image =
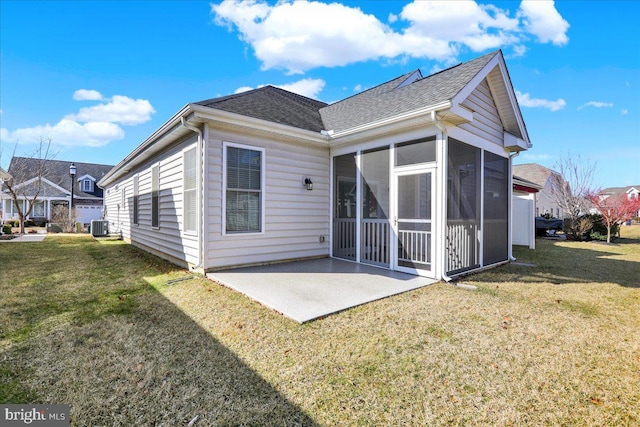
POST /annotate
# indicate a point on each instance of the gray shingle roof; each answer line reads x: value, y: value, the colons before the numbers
x: 386, y: 100
x: 619, y: 190
x: 272, y: 104
x: 57, y: 171
x: 533, y: 172
x: 391, y: 98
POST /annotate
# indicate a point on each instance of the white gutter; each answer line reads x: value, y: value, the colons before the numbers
x: 511, y: 157
x: 443, y: 176
x: 391, y: 120
x: 226, y: 117
x: 200, y: 169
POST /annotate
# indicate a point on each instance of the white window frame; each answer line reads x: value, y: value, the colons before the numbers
x: 263, y: 189
x: 193, y: 190
x: 135, y: 215
x: 155, y: 188
x: 84, y: 187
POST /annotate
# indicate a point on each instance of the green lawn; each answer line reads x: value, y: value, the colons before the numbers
x: 102, y: 327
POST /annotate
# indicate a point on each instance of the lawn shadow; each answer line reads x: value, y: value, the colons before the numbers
x: 582, y: 262
x: 146, y: 364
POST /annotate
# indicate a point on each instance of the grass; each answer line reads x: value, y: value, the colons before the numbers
x: 553, y: 345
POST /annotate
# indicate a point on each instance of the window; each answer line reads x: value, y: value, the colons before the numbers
x: 87, y: 185
x: 244, y: 194
x: 190, y: 194
x: 38, y: 209
x: 136, y: 197
x: 155, y: 196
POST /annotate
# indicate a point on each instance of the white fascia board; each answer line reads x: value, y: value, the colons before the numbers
x: 462, y: 112
x: 211, y: 114
x: 421, y: 112
x: 134, y: 157
x: 45, y: 180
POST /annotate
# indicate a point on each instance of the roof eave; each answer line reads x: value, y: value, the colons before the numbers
x: 136, y: 156
x: 234, y: 119
x: 346, y: 135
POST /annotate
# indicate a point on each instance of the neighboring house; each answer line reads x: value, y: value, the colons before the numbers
x: 631, y: 191
x: 524, y: 212
x: 547, y: 180
x: 4, y: 176
x: 411, y: 175
x: 55, y: 189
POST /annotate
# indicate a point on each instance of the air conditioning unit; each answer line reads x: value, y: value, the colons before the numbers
x: 99, y: 228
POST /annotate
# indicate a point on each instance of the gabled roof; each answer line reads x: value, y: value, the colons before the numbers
x: 55, y: 171
x: 272, y: 104
x: 620, y: 190
x: 395, y: 97
x: 534, y: 172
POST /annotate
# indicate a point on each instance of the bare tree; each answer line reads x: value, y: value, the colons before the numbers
x: 571, y: 186
x: 27, y: 184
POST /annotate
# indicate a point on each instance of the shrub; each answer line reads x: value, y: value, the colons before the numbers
x: 598, y: 230
x: 6, y: 229
x: 29, y: 223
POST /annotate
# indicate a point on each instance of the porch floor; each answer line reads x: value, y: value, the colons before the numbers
x: 306, y: 290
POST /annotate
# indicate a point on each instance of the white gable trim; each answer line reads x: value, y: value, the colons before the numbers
x: 496, y: 61
x: 45, y: 180
x: 86, y: 176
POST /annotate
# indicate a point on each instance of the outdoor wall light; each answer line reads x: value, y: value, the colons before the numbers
x: 308, y: 184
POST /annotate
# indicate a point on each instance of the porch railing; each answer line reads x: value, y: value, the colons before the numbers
x: 414, y: 247
x: 461, y: 245
x: 375, y: 241
x: 344, y: 238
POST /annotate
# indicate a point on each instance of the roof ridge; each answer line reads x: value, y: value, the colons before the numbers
x: 406, y: 75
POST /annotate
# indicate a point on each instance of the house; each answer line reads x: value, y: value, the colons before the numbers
x: 631, y: 191
x: 547, y: 180
x: 524, y: 212
x: 4, y: 176
x: 412, y: 175
x: 55, y: 189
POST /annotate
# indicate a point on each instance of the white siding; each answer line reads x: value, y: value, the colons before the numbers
x: 486, y: 120
x: 295, y: 218
x: 169, y: 240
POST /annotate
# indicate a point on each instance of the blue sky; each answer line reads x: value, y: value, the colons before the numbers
x: 99, y: 77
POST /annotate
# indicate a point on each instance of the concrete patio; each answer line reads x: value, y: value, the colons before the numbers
x: 306, y: 290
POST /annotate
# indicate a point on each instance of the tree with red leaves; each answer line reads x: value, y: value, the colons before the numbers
x: 614, y: 209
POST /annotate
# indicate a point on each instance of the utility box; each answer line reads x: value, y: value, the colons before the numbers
x: 99, y: 228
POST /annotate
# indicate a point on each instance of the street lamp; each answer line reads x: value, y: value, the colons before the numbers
x: 72, y: 174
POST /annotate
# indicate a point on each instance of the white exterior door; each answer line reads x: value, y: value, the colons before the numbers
x: 414, y: 222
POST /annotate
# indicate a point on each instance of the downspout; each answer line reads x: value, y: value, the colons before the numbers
x: 443, y: 211
x: 199, y: 143
x: 511, y: 157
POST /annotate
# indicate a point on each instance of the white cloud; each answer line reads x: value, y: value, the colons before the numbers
x: 310, y: 88
x: 87, y: 95
x: 119, y: 109
x: 525, y: 100
x: 596, y: 104
x: 542, y: 19
x: 68, y: 132
x: 93, y: 126
x: 357, y: 88
x: 301, y: 35
x: 624, y: 111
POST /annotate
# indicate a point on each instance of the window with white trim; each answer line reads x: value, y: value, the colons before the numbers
x: 155, y: 196
x: 190, y: 195
x: 136, y: 198
x: 244, y: 193
x: 87, y: 185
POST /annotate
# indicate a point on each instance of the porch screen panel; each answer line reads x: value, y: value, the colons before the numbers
x: 463, y: 207
x: 496, y: 209
x: 413, y: 152
x: 375, y: 229
x: 344, y: 216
